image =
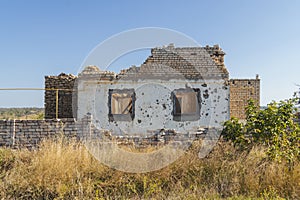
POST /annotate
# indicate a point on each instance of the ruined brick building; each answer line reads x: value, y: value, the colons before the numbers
x: 162, y: 62
x: 181, y: 89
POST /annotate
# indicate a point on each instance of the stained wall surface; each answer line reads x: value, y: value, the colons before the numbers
x: 154, y: 105
x: 165, y: 71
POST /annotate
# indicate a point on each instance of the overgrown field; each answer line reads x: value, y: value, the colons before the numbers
x: 65, y: 170
x: 255, y: 159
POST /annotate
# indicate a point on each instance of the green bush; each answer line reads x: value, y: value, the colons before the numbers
x: 274, y: 127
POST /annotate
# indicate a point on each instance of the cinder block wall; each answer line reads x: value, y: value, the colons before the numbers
x: 65, y: 83
x: 241, y: 90
x: 29, y: 133
x: 6, y: 132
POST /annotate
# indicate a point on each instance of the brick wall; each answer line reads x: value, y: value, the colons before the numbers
x: 241, y: 90
x: 29, y: 133
x: 191, y: 62
x: 65, y: 84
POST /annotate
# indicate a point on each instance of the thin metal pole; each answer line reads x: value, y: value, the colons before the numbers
x: 56, y: 109
x: 14, y: 133
x: 36, y: 89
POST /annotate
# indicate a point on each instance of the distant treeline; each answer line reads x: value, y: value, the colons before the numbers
x: 22, y: 113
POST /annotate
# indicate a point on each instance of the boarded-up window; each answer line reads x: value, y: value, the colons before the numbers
x: 186, y: 104
x: 121, y: 103
x: 121, y: 106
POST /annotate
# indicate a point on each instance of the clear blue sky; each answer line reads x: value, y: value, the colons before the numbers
x: 39, y: 38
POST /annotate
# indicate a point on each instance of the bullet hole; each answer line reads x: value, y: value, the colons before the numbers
x: 142, y: 93
x: 204, y: 85
x: 186, y: 86
x: 139, y: 121
x: 206, y: 114
x: 147, y: 115
x: 150, y: 124
x: 205, y: 94
x: 164, y: 106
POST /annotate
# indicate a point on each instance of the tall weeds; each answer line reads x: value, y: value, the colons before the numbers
x: 64, y: 169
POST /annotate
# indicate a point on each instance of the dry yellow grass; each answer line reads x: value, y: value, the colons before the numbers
x: 64, y: 169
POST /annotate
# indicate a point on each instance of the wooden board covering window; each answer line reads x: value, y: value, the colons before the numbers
x: 185, y: 102
x: 121, y: 103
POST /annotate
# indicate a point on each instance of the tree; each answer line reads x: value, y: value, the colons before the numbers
x: 274, y: 127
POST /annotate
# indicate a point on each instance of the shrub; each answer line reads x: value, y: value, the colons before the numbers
x: 273, y: 127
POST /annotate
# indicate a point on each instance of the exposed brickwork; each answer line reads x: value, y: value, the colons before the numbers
x: 165, y: 63
x: 180, y: 63
x: 216, y: 53
x: 6, y: 132
x: 241, y: 90
x: 65, y: 83
x: 29, y: 133
x: 191, y: 62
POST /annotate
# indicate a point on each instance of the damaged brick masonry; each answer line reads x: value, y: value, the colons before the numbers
x: 241, y: 90
x: 176, y: 88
